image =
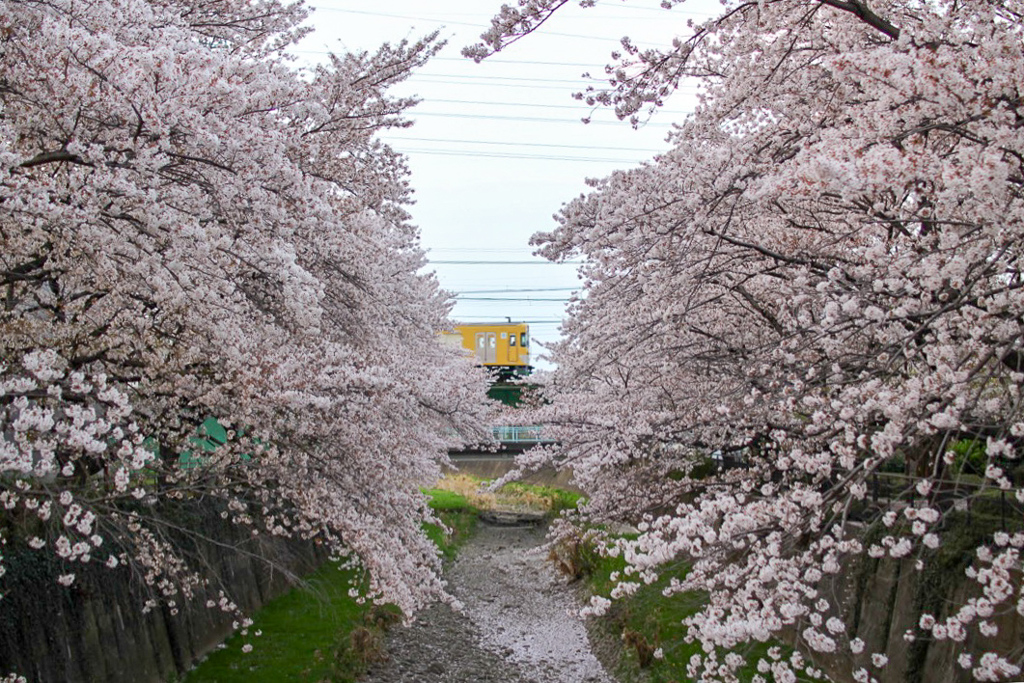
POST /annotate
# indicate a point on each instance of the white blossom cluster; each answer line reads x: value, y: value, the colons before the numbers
x: 190, y: 227
x: 819, y: 282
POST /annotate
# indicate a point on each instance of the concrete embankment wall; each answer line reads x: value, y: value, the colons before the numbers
x: 95, y: 630
x: 883, y: 599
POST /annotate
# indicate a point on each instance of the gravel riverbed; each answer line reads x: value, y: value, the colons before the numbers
x: 518, y: 625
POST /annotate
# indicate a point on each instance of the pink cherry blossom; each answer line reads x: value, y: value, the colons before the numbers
x: 192, y: 227
x: 819, y: 282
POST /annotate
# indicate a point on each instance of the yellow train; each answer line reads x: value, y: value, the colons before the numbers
x: 503, y: 347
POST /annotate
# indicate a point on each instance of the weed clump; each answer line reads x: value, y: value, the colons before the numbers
x: 643, y: 648
x: 576, y: 556
x: 356, y: 650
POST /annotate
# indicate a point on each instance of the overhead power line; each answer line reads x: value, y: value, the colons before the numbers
x: 513, y: 299
x: 531, y: 86
x: 446, y: 22
x: 576, y: 107
x: 575, y: 81
x: 511, y: 155
x: 449, y: 22
x: 497, y: 117
x: 504, y: 263
x: 516, y: 62
x: 488, y: 318
x: 490, y: 81
x: 425, y: 75
x: 458, y: 150
x: 590, y: 14
x: 519, y: 291
x: 476, y: 250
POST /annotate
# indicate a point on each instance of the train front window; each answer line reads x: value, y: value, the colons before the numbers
x: 523, y: 339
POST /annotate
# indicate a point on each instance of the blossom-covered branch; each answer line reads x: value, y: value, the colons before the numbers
x: 191, y: 228
x: 818, y: 285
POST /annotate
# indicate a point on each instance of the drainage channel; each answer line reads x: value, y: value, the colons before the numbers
x: 519, y: 622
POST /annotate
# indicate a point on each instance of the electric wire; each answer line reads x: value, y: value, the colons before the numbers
x: 504, y: 250
x: 527, y: 79
x: 478, y: 296
x: 510, y: 299
x: 579, y: 107
x: 531, y: 86
x: 531, y: 119
x: 501, y: 263
x: 447, y: 22
x: 423, y: 75
x: 528, y: 144
x: 534, y: 157
x: 576, y: 107
x: 604, y: 17
x: 474, y: 25
x: 519, y: 291
x: 478, y: 318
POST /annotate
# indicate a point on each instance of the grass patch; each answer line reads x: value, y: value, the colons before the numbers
x: 647, y: 621
x: 445, y: 500
x: 552, y: 499
x: 472, y: 492
x: 456, y: 512
x: 318, y: 632
x: 306, y: 636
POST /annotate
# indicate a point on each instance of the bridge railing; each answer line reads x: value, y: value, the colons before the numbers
x: 519, y: 434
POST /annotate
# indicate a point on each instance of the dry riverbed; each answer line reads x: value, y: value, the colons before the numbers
x: 518, y: 625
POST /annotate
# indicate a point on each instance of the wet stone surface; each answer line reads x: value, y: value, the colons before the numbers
x: 518, y: 625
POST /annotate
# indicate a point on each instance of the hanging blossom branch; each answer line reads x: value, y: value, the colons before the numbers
x: 818, y: 284
x: 193, y: 233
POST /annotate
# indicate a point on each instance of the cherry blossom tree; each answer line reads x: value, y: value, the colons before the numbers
x: 194, y: 227
x: 820, y: 280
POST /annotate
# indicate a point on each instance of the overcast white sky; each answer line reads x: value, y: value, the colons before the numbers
x: 498, y: 147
